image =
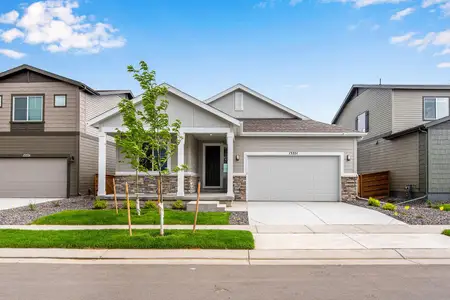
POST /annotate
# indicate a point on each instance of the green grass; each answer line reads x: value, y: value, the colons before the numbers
x: 438, y: 206
x: 120, y: 239
x: 446, y: 232
x: 149, y: 217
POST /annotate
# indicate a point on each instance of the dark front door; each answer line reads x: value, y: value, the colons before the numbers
x: 212, y: 166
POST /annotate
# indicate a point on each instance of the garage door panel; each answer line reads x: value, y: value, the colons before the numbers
x: 293, y: 178
x: 33, y: 177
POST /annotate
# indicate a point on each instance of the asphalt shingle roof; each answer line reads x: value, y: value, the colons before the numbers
x: 291, y: 125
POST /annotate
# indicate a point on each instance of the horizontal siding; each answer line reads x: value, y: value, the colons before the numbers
x: 408, y: 107
x: 423, y: 162
x: 67, y: 145
x: 92, y: 106
x: 254, y: 108
x: 89, y: 162
x: 189, y: 114
x: 439, y: 157
x: 56, y: 119
x: 287, y: 144
x: 378, y: 103
x: 399, y: 156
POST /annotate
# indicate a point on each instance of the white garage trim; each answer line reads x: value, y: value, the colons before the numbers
x: 296, y: 153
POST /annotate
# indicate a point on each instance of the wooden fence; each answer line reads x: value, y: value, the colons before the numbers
x: 109, y: 184
x: 373, y: 184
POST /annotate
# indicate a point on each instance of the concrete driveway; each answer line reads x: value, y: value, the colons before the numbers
x: 8, y: 203
x: 314, y: 213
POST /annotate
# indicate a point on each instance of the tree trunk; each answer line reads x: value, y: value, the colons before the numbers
x: 138, y: 207
x: 161, y: 205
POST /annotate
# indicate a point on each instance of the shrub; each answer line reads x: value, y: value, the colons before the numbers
x: 132, y: 204
x: 152, y: 205
x: 389, y: 206
x: 100, y: 204
x: 373, y: 202
x: 57, y: 203
x: 32, y: 206
x: 179, y: 204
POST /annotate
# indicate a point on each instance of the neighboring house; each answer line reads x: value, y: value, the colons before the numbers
x: 46, y: 148
x: 408, y: 134
x: 244, y: 146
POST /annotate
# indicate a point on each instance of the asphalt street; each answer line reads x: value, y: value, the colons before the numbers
x: 111, y: 282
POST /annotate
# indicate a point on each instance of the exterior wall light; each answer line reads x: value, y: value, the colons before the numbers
x: 349, y: 158
x: 238, y: 157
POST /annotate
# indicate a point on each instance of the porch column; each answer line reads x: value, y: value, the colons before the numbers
x: 101, y: 163
x: 230, y: 160
x: 180, y: 191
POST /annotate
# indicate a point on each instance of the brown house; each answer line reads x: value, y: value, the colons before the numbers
x: 46, y: 147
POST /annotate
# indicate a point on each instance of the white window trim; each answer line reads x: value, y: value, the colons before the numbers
x: 28, y: 103
x: 435, y: 106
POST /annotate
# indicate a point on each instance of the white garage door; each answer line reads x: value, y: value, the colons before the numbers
x: 33, y: 177
x: 293, y: 178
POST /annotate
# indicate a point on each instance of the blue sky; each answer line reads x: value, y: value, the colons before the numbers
x: 303, y: 54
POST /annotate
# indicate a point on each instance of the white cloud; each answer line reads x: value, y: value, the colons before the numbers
x: 402, y: 38
x: 9, y: 18
x: 12, y: 53
x: 11, y: 35
x: 444, y: 65
x: 363, y: 3
x: 403, y: 13
x: 443, y: 52
x: 446, y: 9
x: 442, y: 38
x: 261, y: 4
x: 421, y: 44
x: 294, y: 2
x: 53, y: 24
x: 428, y: 3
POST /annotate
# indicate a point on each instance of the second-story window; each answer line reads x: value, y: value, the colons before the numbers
x: 60, y: 100
x: 28, y: 108
x: 435, y: 108
x: 362, y: 122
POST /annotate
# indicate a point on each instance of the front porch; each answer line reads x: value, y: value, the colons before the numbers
x: 206, y: 152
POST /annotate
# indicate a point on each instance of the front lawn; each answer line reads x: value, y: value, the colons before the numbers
x: 148, y: 217
x: 120, y: 239
x: 446, y: 232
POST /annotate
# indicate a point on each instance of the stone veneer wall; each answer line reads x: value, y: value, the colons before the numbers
x: 190, y: 184
x: 349, y: 188
x: 240, y: 187
x: 147, y: 184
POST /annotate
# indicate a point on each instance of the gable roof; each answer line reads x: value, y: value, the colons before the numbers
x: 292, y: 125
x: 129, y: 93
x: 353, y: 88
x: 257, y: 95
x: 114, y: 111
x: 48, y: 74
x: 417, y: 128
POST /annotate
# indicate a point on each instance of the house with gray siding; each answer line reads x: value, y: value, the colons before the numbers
x: 408, y: 131
x: 241, y: 145
x: 46, y: 147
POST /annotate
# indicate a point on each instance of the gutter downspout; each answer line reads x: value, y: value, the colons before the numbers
x: 426, y: 160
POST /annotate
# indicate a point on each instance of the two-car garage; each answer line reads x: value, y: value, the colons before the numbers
x: 293, y: 177
x: 33, y: 177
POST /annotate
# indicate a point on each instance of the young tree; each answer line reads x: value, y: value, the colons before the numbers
x: 150, y: 138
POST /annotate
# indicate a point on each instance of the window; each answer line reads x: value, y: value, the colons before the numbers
x: 148, y: 163
x: 435, y: 108
x: 28, y: 108
x: 362, y: 122
x: 60, y: 101
x: 238, y: 101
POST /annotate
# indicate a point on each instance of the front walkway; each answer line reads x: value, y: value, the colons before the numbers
x: 8, y: 203
x: 314, y: 213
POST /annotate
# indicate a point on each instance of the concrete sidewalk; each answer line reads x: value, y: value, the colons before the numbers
x: 228, y: 257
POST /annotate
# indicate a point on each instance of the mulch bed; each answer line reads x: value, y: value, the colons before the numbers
x: 418, y: 214
x: 24, y: 215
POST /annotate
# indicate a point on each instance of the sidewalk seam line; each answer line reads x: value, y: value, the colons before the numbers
x: 311, y: 212
x: 355, y: 240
